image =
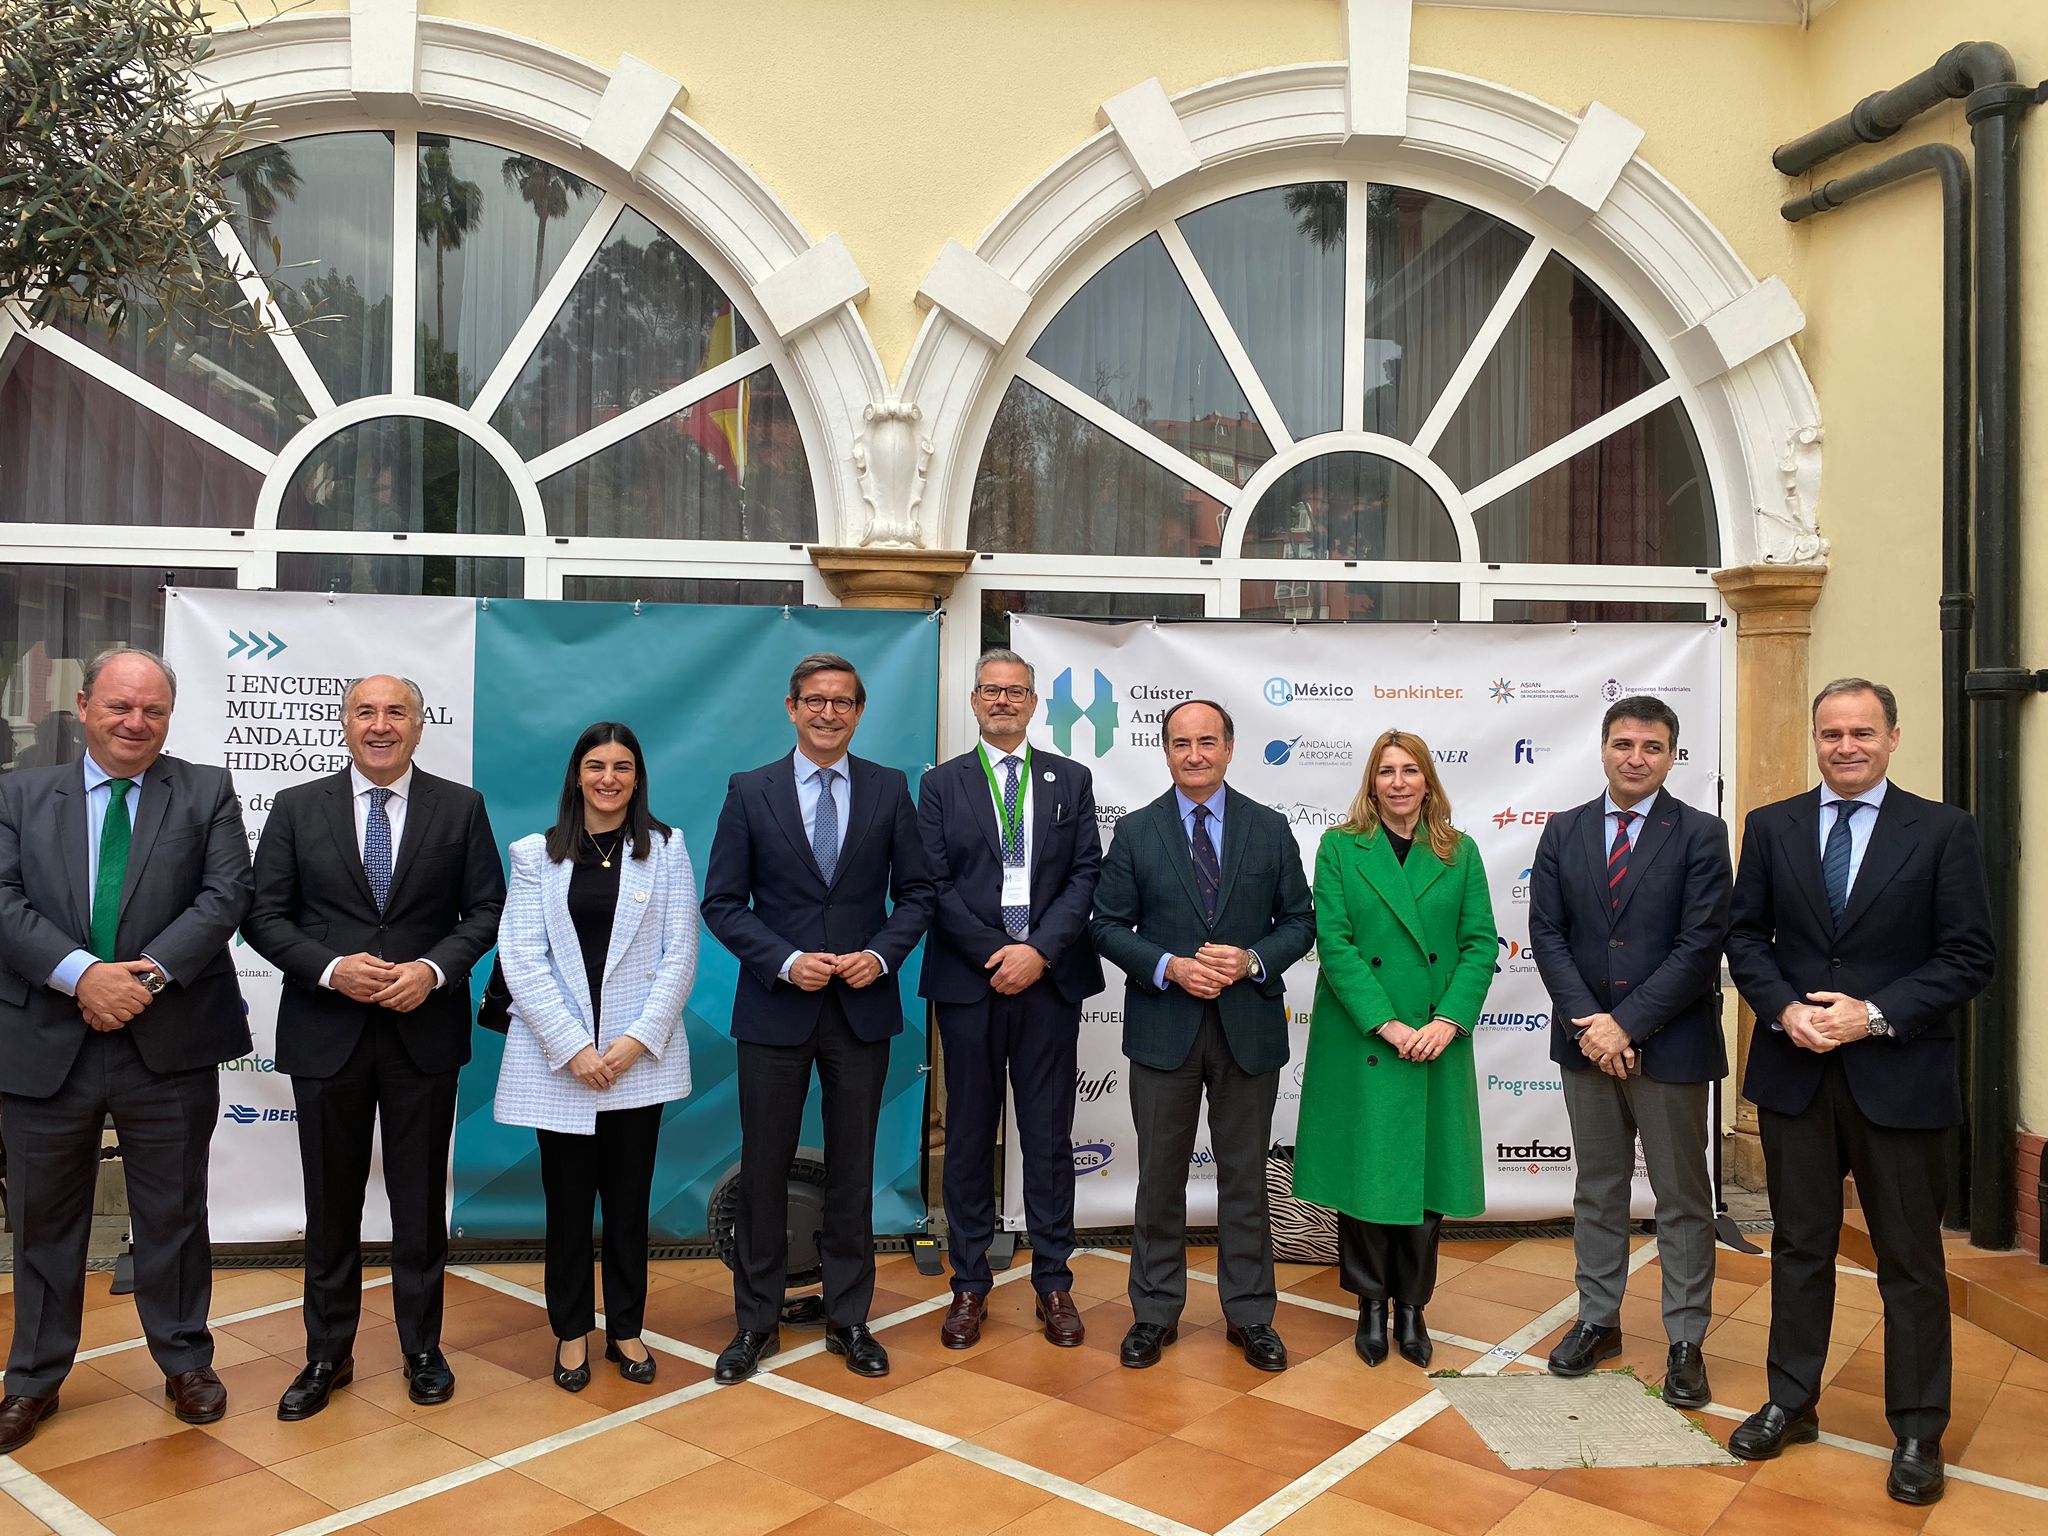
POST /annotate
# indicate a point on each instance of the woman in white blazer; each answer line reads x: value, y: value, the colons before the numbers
x: 599, y: 945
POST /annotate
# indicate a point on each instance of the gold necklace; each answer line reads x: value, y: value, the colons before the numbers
x: 604, y: 859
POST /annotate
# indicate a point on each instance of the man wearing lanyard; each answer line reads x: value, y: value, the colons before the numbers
x: 1010, y: 839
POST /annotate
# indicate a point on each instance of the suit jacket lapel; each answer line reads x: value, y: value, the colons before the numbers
x: 1166, y: 823
x: 422, y: 804
x: 1386, y: 874
x: 1593, y: 842
x: 562, y: 940
x: 1890, y: 841
x: 1804, y: 855
x: 863, y: 794
x: 636, y: 885
x: 1237, y: 831
x: 72, y: 851
x: 341, y: 822
x: 1658, y: 821
x: 981, y: 806
x: 159, y: 783
x: 1047, y: 795
x: 789, y: 813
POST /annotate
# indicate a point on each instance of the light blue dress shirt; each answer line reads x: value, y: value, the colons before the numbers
x: 1187, y: 826
x: 810, y: 783
x: 1861, y: 823
x: 97, y: 798
x: 1609, y: 810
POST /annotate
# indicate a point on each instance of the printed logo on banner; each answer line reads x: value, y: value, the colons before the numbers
x: 1092, y: 1090
x: 1515, y: 1023
x: 1203, y: 1164
x: 1510, y: 817
x: 1062, y: 713
x: 1614, y: 689
x: 1093, y: 1157
x: 1504, y: 690
x: 1528, y: 750
x: 1307, y: 749
x: 249, y: 1064
x: 248, y: 1114
x: 1451, y: 756
x: 1281, y: 691
x: 1300, y: 813
x: 1515, y: 1087
x: 1518, y: 893
x: 1515, y: 957
x: 252, y: 646
x: 1501, y: 691
x: 1535, y: 1156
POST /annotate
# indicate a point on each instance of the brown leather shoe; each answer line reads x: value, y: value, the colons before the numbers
x: 197, y: 1397
x: 19, y: 1417
x: 962, y: 1327
x: 1062, y: 1319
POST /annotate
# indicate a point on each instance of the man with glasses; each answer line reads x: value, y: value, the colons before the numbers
x: 817, y: 885
x: 1009, y: 834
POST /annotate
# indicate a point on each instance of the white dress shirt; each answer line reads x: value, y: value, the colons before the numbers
x: 1861, y: 824
x: 998, y: 759
x: 394, y: 812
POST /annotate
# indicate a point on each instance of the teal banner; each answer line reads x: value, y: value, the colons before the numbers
x: 703, y: 688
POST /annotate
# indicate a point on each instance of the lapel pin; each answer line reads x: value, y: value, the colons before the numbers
x: 1048, y: 776
x: 639, y: 895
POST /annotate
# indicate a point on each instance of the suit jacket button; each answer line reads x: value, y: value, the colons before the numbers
x: 1614, y: 943
x: 1375, y: 959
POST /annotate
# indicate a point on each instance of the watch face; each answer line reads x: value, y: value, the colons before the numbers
x: 154, y: 981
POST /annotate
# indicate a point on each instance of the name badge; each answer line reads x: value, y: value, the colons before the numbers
x: 1016, y: 887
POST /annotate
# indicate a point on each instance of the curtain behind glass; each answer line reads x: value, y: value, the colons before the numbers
x: 1350, y: 506
x: 399, y: 474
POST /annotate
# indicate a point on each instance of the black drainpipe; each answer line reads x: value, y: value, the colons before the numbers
x: 1983, y: 73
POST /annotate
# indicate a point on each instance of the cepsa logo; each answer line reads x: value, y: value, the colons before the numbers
x: 1093, y: 1157
x: 1511, y: 817
x: 1532, y: 1156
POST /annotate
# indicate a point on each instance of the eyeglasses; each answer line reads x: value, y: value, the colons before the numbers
x: 1016, y: 693
x: 819, y: 703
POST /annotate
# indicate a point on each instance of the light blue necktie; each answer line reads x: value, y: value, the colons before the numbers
x: 825, y: 826
x: 377, y: 847
x: 1834, y: 859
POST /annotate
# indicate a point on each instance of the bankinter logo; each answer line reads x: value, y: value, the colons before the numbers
x: 1061, y: 713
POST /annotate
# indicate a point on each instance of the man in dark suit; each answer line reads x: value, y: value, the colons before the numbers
x: 817, y: 885
x: 1861, y: 925
x: 377, y: 890
x: 122, y: 879
x: 1628, y: 910
x: 1204, y: 921
x: 1010, y: 839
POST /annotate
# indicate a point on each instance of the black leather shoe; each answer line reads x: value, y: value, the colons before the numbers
x: 1412, y: 1335
x: 571, y: 1378
x: 1916, y: 1476
x: 428, y: 1377
x: 864, y: 1353
x: 1584, y: 1346
x: 743, y: 1356
x: 310, y: 1389
x: 639, y: 1372
x: 1261, y: 1345
x: 1685, y: 1378
x: 1371, y: 1342
x: 19, y: 1417
x: 1765, y: 1433
x: 1142, y: 1344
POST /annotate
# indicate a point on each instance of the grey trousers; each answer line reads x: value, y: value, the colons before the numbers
x: 1607, y: 1115
x: 1164, y: 1106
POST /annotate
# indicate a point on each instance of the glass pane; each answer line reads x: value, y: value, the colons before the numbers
x: 53, y: 620
x: 493, y: 227
x: 683, y: 589
x: 731, y: 466
x: 1522, y: 610
x: 643, y: 318
x: 1051, y: 482
x: 326, y: 202
x: 73, y: 450
x: 1637, y: 497
x: 998, y: 605
x: 401, y: 575
x: 1565, y: 358
x: 399, y: 474
x: 1350, y: 506
x: 1352, y: 601
x: 1133, y: 339
x: 1276, y: 261
x: 1434, y: 269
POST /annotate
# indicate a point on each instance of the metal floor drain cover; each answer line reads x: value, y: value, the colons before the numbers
x: 1609, y: 1419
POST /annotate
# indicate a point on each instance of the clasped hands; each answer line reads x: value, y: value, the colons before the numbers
x: 813, y: 969
x: 601, y: 1071
x: 109, y: 995
x: 1209, y: 969
x: 400, y: 985
x: 1016, y: 967
x: 1606, y: 1044
x: 1825, y: 1020
x: 1424, y: 1044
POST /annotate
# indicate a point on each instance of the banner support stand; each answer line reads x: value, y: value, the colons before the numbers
x: 1726, y: 1232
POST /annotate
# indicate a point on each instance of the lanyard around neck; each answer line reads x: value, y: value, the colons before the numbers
x: 1010, y: 828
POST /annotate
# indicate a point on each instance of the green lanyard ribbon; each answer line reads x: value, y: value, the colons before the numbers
x: 1010, y: 830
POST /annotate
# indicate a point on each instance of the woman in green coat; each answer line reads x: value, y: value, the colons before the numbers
x: 1389, y: 1130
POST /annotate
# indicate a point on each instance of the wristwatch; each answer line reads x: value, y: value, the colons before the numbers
x: 153, y: 982
x: 1880, y: 1026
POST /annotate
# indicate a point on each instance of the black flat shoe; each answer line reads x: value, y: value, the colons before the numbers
x: 864, y: 1353
x: 639, y: 1372
x: 1143, y: 1343
x: 743, y: 1356
x: 1916, y: 1476
x: 1584, y: 1346
x: 1371, y: 1341
x: 1766, y: 1433
x: 1685, y: 1378
x: 309, y: 1390
x: 1261, y: 1345
x: 428, y: 1379
x: 571, y: 1378
x: 1412, y: 1335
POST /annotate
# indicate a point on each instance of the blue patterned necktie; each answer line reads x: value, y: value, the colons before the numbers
x: 825, y: 825
x: 1015, y: 919
x: 377, y: 847
x: 1834, y: 859
x: 1208, y: 873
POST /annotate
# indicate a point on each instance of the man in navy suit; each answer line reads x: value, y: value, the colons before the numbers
x: 1009, y: 835
x: 812, y: 851
x: 1861, y: 927
x: 1628, y: 909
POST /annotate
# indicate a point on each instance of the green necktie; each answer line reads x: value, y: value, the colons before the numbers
x: 106, y: 890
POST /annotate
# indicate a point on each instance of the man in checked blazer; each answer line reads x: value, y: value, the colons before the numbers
x: 377, y: 890
x: 817, y: 885
x: 1204, y: 930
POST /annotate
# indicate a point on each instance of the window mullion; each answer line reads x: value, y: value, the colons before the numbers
x: 1128, y: 432
x: 257, y: 292
x: 1227, y: 339
x: 1489, y: 334
x: 552, y: 298
x: 649, y: 412
x: 1355, y: 271
x: 1572, y: 442
x: 405, y: 265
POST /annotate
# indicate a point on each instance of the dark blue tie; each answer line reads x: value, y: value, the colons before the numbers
x: 1208, y: 873
x: 1834, y: 859
x: 825, y: 826
x: 1015, y: 919
x: 377, y: 846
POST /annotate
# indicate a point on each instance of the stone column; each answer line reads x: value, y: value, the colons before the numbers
x: 867, y: 577
x: 1774, y: 758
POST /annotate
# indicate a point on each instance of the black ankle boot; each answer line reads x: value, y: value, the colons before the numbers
x: 1412, y: 1334
x: 1371, y: 1342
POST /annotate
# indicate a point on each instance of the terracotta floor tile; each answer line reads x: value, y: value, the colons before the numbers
x: 1340, y: 1386
x: 475, y: 1378
x: 257, y: 1503
x: 945, y: 1496
x: 88, y: 1384
x: 833, y: 1520
x: 834, y: 1456
x: 532, y: 1276
x: 1476, y: 1317
x: 238, y: 1290
x: 516, y: 1416
x: 1541, y: 1256
x: 142, y: 1474
x: 1334, y: 1515
x: 1190, y: 1483
x: 1516, y: 1287
x: 1843, y: 1480
x: 1448, y: 1435
x: 682, y: 1306
x: 1073, y: 1442
x: 2028, y: 1371
x: 1743, y: 1268
x: 1756, y: 1309
x: 1767, y: 1512
x: 1978, y: 1351
x: 71, y: 1435
x: 1439, y: 1491
x: 610, y: 1391
x: 1031, y: 1362
x: 2026, y: 1326
x: 1058, y: 1517
x: 747, y: 1503
x: 490, y: 1317
x: 1687, y: 1499
x: 1732, y: 1340
x: 1968, y: 1510
x: 277, y: 1333
x: 266, y: 1441
x: 920, y: 1336
x: 1545, y: 1513
x: 503, y: 1504
x: 254, y: 1386
x: 828, y: 1373
x: 1099, y: 1277
x: 1270, y: 1435
x: 1324, y: 1285
x: 1153, y: 1399
x: 376, y: 1464
x: 1307, y: 1332
x: 114, y: 1323
x: 1856, y: 1415
x: 525, y: 1354
x: 2011, y: 1437
x: 596, y: 1525
x: 734, y: 1419
x: 711, y: 1272
x: 1207, y: 1355
x: 959, y: 1402
x: 619, y: 1464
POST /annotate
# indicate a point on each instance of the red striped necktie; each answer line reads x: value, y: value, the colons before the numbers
x: 1617, y: 855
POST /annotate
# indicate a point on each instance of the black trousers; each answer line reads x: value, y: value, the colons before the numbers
x: 1899, y: 1179
x: 615, y: 1163
x: 1378, y: 1262
x: 165, y: 1123
x: 337, y: 1116
x: 774, y: 1082
x: 1030, y: 1038
x: 1164, y: 1107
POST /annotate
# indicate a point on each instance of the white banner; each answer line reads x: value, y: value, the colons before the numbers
x: 1512, y: 716
x: 260, y: 680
